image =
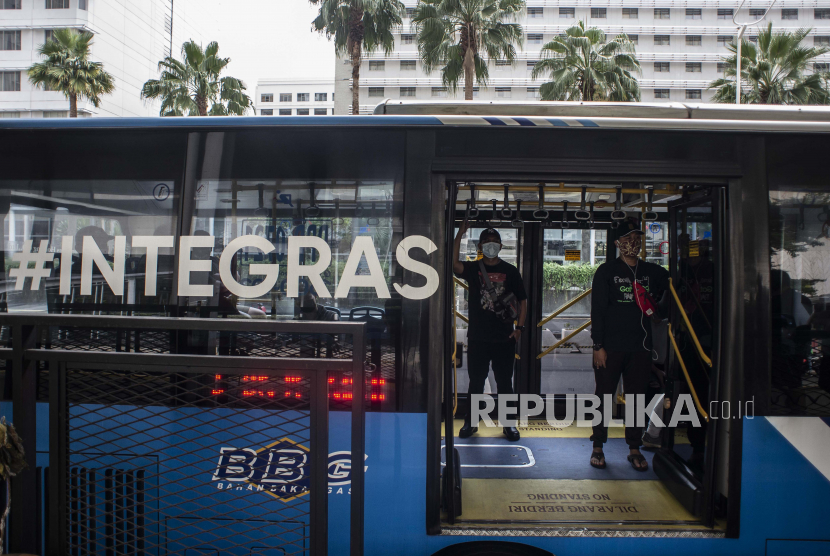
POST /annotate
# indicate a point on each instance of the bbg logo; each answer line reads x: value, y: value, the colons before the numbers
x: 280, y: 470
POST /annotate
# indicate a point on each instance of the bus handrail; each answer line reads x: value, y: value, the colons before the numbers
x: 582, y: 327
x: 460, y: 283
x: 689, y: 325
x: 686, y: 374
x: 564, y: 307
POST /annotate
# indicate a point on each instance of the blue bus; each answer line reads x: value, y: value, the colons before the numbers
x: 334, y: 219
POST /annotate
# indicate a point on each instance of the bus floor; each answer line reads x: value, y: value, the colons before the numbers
x: 545, y: 480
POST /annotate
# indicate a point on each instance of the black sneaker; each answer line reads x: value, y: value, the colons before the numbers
x: 467, y: 431
x: 512, y: 433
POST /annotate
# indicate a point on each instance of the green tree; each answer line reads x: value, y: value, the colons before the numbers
x: 358, y: 26
x: 583, y: 66
x: 193, y: 87
x: 458, y: 36
x: 68, y: 69
x: 773, y: 72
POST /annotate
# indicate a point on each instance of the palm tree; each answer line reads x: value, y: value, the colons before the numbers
x: 68, y: 69
x: 357, y: 26
x: 773, y: 72
x: 456, y: 35
x: 583, y: 66
x: 193, y: 87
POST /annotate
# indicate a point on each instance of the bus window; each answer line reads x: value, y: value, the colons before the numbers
x: 799, y: 230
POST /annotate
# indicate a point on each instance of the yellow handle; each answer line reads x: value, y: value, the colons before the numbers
x: 563, y: 340
x: 689, y: 325
x: 688, y: 379
x: 563, y: 307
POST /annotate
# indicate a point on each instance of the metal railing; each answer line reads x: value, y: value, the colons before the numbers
x: 564, y: 307
x: 134, y: 436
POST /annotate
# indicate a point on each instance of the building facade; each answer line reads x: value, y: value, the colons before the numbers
x: 679, y: 44
x: 294, y: 97
x: 130, y: 39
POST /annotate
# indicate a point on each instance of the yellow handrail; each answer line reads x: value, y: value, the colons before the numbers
x: 462, y: 317
x: 564, y: 307
x: 460, y: 283
x: 686, y: 374
x: 689, y: 325
x: 565, y: 339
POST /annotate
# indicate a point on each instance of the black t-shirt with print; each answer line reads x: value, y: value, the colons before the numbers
x: 616, y: 321
x: 485, y: 326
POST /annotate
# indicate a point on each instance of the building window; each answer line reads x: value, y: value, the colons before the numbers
x: 531, y: 64
x: 10, y: 5
x: 534, y: 39
x: 661, y: 93
x: 757, y: 12
x: 821, y: 67
x: 10, y: 80
x: 407, y: 65
x: 503, y: 92
x: 567, y: 13
x: 302, y: 111
x: 535, y: 12
x: 533, y: 92
x: 57, y: 4
x: 693, y: 13
x: 725, y: 14
x: 375, y: 65
x: 693, y: 67
x: 693, y: 94
x: 475, y: 92
x: 821, y: 13
x: 662, y: 67
x: 503, y: 63
x: 723, y: 40
x: 439, y: 92
x: 662, y: 40
x: 662, y: 13
x: 376, y: 92
x: 82, y: 5
x: 789, y: 14
x: 56, y: 114
x: 407, y: 91
x: 302, y: 97
x: 410, y: 12
x: 321, y: 97
x: 319, y: 111
x: 266, y: 97
x: 631, y: 13
x: 721, y: 67
x: 753, y: 38
x: 694, y: 40
x: 48, y: 35
x: 285, y: 111
x: 599, y: 13
x: 407, y: 39
x: 9, y: 40
x: 9, y: 114
x: 823, y: 40
x: 266, y: 112
x: 285, y: 97
x: 635, y: 39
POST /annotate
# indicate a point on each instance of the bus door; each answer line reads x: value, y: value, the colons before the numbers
x: 687, y: 461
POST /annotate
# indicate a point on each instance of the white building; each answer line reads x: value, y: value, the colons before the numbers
x: 130, y: 39
x: 679, y: 44
x: 294, y: 97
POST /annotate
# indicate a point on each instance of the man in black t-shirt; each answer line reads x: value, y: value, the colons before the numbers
x: 622, y: 331
x: 489, y: 339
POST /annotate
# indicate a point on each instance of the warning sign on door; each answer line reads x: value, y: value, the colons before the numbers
x: 694, y: 248
x: 573, y: 254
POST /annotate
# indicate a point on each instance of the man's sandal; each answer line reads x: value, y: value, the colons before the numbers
x: 600, y: 460
x: 637, y: 460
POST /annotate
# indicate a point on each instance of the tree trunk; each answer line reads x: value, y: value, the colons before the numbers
x: 201, y: 103
x: 354, y: 45
x: 468, y: 48
x: 73, y: 105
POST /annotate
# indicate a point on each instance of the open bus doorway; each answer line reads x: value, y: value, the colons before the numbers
x: 557, y: 235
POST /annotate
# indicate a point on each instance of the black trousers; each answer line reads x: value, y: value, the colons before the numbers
x: 479, y: 357
x: 635, y: 369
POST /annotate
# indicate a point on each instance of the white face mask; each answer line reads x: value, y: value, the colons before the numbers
x: 491, y: 250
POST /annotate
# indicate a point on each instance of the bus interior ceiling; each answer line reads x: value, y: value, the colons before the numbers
x: 556, y: 234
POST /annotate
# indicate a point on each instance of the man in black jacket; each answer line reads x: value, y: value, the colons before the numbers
x: 489, y: 339
x: 621, y: 330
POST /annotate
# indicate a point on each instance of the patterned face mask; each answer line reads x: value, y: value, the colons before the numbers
x: 630, y: 248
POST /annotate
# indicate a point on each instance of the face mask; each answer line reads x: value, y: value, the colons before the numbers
x: 490, y: 250
x: 629, y: 248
